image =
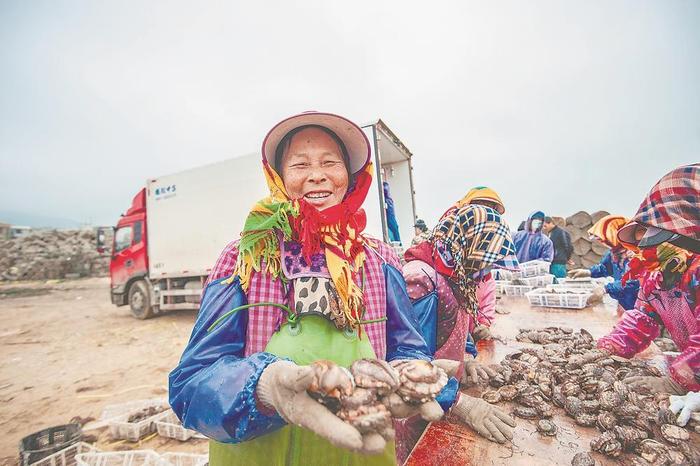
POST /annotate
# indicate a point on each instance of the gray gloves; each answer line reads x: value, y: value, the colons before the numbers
x: 473, y: 371
x: 579, y: 273
x: 282, y: 386
x: 656, y: 384
x: 597, y: 296
x: 430, y: 411
x: 481, y: 332
x: 489, y: 421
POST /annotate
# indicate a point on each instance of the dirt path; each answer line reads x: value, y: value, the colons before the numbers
x: 66, y: 351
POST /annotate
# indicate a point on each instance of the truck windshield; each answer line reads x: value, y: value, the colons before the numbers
x: 122, y: 239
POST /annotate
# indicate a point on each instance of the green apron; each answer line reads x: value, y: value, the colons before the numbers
x: 311, y: 338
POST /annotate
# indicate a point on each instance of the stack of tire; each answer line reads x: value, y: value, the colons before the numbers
x: 586, y: 252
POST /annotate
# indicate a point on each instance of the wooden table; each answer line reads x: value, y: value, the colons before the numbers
x: 447, y: 444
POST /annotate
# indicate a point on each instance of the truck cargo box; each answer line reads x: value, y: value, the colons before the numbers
x: 193, y: 214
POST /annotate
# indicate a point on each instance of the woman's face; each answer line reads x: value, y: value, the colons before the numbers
x: 312, y: 168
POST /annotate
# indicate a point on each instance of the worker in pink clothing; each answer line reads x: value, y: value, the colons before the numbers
x: 442, y: 275
x: 666, y: 228
x: 486, y: 289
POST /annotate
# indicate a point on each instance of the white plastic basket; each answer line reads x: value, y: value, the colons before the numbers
x: 171, y: 427
x: 558, y: 296
x: 121, y: 458
x: 500, y: 284
x: 532, y: 269
x: 539, y: 281
x: 516, y: 290
x: 120, y: 428
x: 66, y: 457
x: 576, y: 282
x: 585, y: 282
x: 119, y: 410
x: 502, y: 274
x: 184, y: 459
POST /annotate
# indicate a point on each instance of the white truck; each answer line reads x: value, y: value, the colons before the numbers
x: 166, y: 243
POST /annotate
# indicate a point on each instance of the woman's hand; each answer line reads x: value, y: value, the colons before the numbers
x: 473, y: 371
x: 579, y: 273
x: 597, y: 296
x: 429, y: 411
x: 489, y: 421
x: 282, y: 386
x: 656, y: 384
x: 481, y: 332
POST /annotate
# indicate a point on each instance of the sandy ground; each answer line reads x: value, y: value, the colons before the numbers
x: 66, y: 351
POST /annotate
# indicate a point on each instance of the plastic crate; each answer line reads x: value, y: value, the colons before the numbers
x: 502, y: 274
x: 516, y: 290
x: 500, y: 284
x: 585, y: 282
x: 39, y: 445
x: 121, y: 409
x: 558, y: 296
x: 576, y: 282
x: 121, y: 458
x: 539, y: 281
x: 171, y: 427
x: 532, y: 269
x: 184, y: 459
x: 120, y: 428
x: 66, y: 457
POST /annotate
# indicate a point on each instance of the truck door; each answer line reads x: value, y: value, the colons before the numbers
x: 122, y: 262
x: 129, y: 257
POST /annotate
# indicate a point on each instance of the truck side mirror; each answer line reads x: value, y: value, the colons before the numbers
x: 102, y: 238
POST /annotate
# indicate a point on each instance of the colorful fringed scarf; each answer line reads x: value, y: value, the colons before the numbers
x: 668, y: 259
x: 337, y: 230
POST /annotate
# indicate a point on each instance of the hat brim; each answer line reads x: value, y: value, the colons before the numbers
x: 626, y: 234
x: 353, y: 137
x: 655, y: 236
x: 499, y: 207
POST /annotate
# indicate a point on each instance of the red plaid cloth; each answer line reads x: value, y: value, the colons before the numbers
x: 263, y: 321
x: 673, y: 203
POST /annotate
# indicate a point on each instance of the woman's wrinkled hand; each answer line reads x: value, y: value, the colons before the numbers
x: 489, y: 421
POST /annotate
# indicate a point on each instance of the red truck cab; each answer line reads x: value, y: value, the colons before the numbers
x: 128, y: 267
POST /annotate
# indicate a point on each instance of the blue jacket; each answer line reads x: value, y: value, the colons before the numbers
x: 391, y: 222
x: 625, y: 295
x: 530, y: 245
x: 212, y: 390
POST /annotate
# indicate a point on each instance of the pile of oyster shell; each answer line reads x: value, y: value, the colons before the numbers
x: 569, y: 372
x: 373, y: 386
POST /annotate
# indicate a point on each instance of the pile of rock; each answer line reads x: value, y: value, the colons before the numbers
x: 586, y: 252
x: 52, y: 254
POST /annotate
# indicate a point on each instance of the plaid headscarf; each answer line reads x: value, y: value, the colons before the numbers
x: 468, y: 240
x: 673, y: 204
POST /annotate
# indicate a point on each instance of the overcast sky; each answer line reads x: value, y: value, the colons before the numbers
x: 559, y: 106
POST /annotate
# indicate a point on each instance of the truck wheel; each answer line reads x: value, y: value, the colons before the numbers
x: 140, y: 301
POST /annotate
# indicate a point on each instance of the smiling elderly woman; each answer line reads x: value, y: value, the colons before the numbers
x: 303, y: 284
